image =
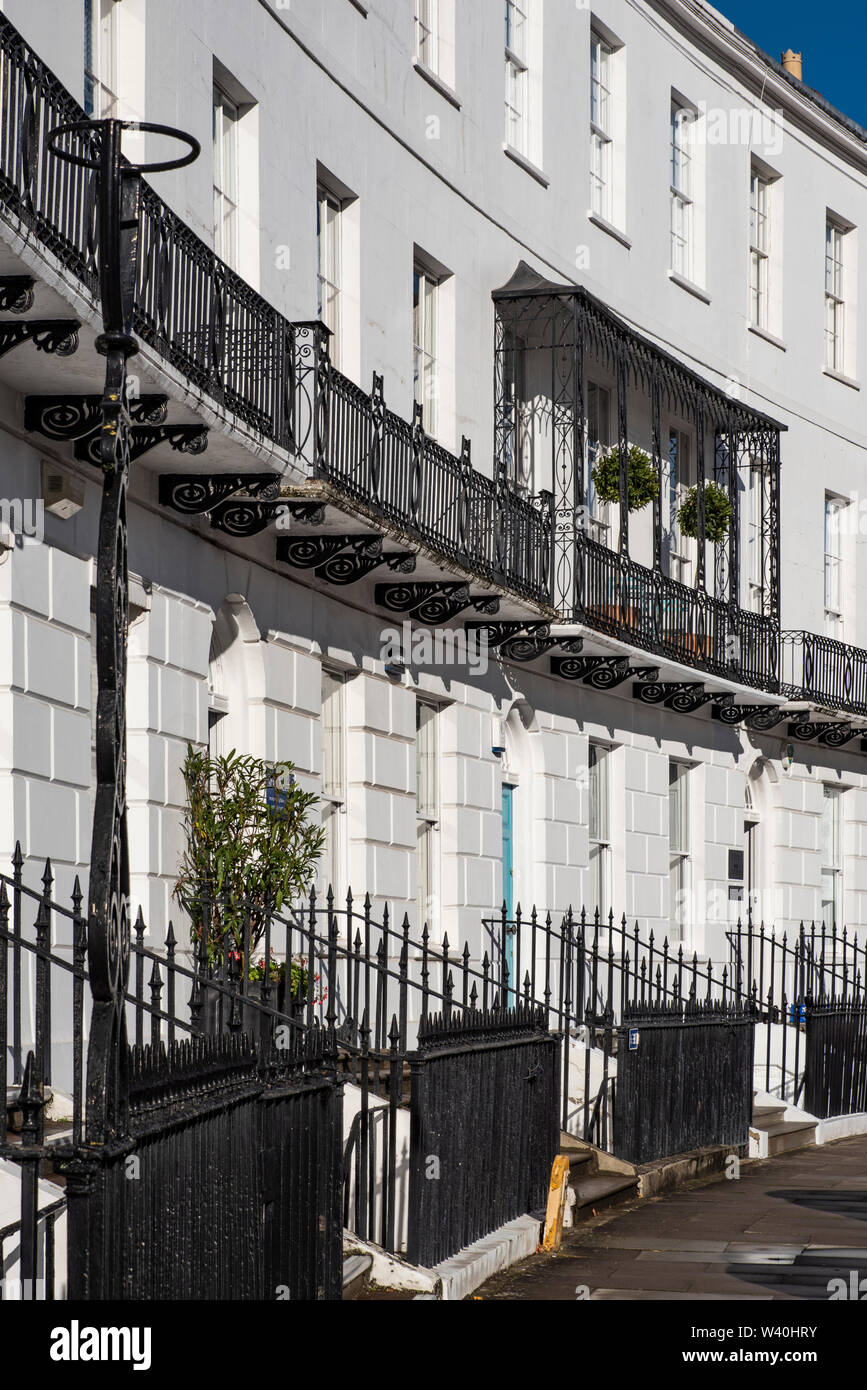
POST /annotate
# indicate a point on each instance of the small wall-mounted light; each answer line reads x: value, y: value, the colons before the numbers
x: 395, y: 670
x: 788, y: 757
x: 62, y: 493
x: 498, y: 738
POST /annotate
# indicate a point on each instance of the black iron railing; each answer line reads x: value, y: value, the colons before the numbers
x: 684, y: 1079
x: 835, y: 1076
x: 270, y: 374
x: 825, y: 671
x: 647, y: 609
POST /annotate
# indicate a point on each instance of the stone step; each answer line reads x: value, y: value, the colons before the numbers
x: 765, y: 1115
x: 786, y: 1135
x: 600, y: 1190
x: 580, y: 1161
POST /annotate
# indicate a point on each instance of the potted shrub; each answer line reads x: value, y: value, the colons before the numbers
x: 717, y: 513
x: 249, y: 848
x: 643, y: 483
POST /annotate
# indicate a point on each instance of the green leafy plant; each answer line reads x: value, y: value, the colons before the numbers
x: 249, y: 848
x: 643, y: 483
x: 717, y: 513
x: 298, y: 976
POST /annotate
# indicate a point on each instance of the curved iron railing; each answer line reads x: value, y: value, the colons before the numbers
x: 641, y: 606
x: 824, y: 670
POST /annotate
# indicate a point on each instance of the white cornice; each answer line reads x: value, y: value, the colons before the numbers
x: 738, y: 56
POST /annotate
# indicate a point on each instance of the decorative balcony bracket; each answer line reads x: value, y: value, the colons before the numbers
x: 16, y: 294
x: 828, y: 734
x: 760, y: 718
x: 244, y: 516
x: 684, y: 696
x: 68, y: 418
x: 184, y: 439
x: 601, y: 672
x: 433, y: 603
x: 524, y: 642
x: 341, y: 559
x: 195, y: 494
x: 58, y: 336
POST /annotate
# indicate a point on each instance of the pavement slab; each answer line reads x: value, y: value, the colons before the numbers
x: 779, y: 1232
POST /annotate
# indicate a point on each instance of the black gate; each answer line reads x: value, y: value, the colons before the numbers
x: 684, y: 1079
x: 484, y: 1126
x: 228, y: 1184
x: 835, y: 1071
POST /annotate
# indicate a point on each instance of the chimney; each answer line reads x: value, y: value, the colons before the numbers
x: 792, y: 63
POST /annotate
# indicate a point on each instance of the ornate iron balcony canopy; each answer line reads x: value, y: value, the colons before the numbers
x: 550, y: 315
x: 551, y: 341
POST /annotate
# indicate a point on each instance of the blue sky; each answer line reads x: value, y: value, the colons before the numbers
x: 834, y: 52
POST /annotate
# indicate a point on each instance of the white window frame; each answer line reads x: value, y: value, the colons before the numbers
x: 329, y: 277
x: 679, y: 850
x: 517, y: 72
x: 427, y: 34
x: 599, y: 828
x: 598, y: 440
x: 832, y: 855
x: 332, y: 721
x: 681, y: 477
x: 425, y: 344
x: 226, y: 118
x: 760, y: 249
x: 682, y: 193
x: 835, y: 295
x: 427, y: 813
x: 755, y: 501
x: 100, y: 58
x: 833, y: 566
x: 601, y: 127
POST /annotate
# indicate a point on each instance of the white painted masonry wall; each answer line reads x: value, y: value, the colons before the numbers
x: 335, y: 89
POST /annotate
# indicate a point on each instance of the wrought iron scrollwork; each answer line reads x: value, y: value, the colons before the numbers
x: 55, y: 336
x: 683, y: 696
x: 184, y: 439
x: 195, y: 494
x: 16, y: 294
x: 69, y: 418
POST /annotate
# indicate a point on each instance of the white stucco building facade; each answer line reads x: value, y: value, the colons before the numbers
x: 359, y: 164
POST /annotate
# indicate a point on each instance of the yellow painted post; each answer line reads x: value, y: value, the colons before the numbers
x: 556, y: 1203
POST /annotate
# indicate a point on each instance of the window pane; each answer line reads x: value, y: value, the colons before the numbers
x: 332, y: 735
x: 426, y: 760
x: 516, y: 27
x: 677, y: 809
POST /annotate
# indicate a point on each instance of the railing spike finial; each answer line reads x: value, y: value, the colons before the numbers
x: 17, y: 857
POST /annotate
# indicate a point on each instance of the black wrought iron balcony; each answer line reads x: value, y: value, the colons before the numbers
x: 647, y: 609
x: 824, y: 671
x: 269, y: 374
x: 580, y: 394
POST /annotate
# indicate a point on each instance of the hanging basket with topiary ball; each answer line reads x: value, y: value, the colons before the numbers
x: 717, y: 513
x: 643, y: 484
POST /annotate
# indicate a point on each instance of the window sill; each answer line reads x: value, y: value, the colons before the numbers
x: 527, y: 165
x: 767, y: 337
x: 843, y: 380
x: 434, y: 80
x: 689, y: 286
x: 608, y: 227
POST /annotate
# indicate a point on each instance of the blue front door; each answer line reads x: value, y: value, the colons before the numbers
x: 508, y: 879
